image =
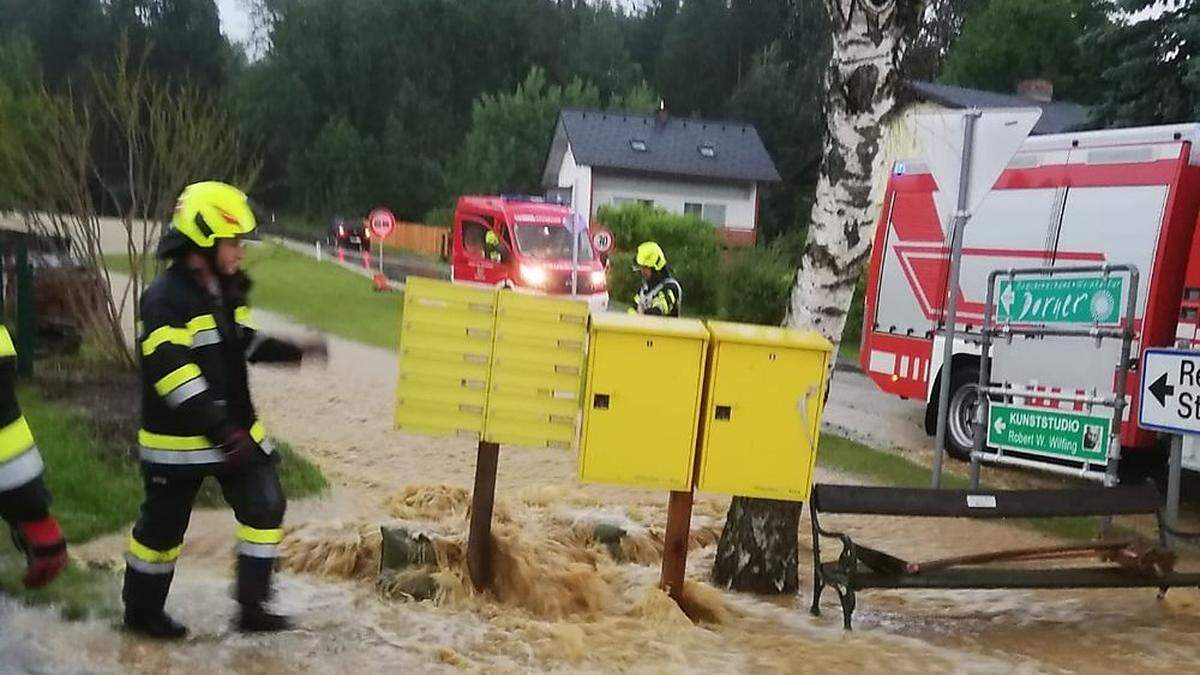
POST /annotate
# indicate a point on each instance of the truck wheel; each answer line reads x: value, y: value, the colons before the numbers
x: 960, y: 434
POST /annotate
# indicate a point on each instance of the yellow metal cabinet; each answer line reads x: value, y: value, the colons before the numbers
x: 537, y: 371
x: 642, y: 400
x: 766, y: 391
x: 445, y: 358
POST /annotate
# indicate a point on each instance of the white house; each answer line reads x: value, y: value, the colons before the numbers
x: 716, y: 170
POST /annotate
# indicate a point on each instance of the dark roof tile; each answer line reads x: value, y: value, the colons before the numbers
x: 604, y: 140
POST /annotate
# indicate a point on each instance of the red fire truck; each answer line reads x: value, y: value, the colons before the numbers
x: 1115, y: 196
x: 530, y: 247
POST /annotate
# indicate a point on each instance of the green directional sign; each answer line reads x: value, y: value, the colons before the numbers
x: 1077, y: 300
x: 1055, y: 433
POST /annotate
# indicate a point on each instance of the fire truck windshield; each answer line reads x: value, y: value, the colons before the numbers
x: 550, y: 242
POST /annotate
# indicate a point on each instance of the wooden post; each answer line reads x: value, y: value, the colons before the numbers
x: 483, y: 498
x: 675, y: 543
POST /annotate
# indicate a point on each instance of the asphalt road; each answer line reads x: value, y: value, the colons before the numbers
x: 396, y: 266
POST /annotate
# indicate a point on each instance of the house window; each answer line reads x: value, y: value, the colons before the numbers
x: 622, y: 201
x: 708, y: 150
x: 693, y: 209
x: 638, y: 145
x: 715, y: 214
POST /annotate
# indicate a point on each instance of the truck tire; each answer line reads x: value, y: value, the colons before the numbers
x: 960, y: 436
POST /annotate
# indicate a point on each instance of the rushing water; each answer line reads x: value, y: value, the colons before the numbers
x: 563, y: 604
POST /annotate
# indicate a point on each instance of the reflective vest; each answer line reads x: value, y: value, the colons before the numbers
x: 194, y: 347
x: 659, y: 297
x: 20, y: 461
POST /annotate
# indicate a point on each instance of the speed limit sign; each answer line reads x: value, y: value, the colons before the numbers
x: 603, y: 240
x: 382, y: 222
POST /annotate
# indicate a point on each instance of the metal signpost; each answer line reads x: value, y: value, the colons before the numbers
x: 576, y: 224
x: 1170, y: 402
x: 965, y: 166
x: 1083, y: 302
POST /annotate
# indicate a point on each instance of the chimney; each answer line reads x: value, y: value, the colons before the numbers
x: 1037, y: 90
x: 662, y: 115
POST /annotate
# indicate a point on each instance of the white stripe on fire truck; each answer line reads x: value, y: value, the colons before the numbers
x: 883, y: 363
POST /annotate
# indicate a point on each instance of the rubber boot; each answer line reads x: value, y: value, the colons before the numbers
x: 253, y: 591
x: 145, y: 595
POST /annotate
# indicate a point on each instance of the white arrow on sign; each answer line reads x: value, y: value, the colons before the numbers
x: 999, y: 133
x: 1000, y: 425
x: 1170, y: 391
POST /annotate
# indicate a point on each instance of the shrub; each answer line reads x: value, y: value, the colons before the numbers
x: 691, y: 246
x: 755, y: 286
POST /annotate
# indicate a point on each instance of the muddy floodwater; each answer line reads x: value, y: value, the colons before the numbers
x: 563, y: 601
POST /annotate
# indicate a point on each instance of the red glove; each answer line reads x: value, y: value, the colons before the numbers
x: 45, y: 550
x: 239, y: 449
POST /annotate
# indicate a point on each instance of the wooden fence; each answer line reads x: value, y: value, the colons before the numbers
x: 418, y: 238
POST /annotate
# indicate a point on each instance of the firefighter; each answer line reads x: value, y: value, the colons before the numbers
x: 491, y: 246
x: 196, y: 339
x: 660, y: 294
x: 24, y: 500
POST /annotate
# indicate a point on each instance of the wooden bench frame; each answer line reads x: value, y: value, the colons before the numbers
x: 849, y: 573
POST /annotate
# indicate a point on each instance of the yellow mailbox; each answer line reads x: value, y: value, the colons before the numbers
x: 642, y: 400
x: 766, y: 391
x: 445, y: 358
x: 537, y: 370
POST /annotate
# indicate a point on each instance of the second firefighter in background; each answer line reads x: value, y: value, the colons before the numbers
x: 196, y: 339
x: 660, y: 294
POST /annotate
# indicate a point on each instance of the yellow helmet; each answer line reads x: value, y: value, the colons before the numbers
x: 650, y: 254
x: 208, y: 211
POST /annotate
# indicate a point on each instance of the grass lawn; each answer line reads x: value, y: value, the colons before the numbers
x: 94, y: 494
x: 319, y: 294
x: 885, y: 468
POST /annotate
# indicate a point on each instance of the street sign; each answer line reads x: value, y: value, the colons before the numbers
x: 1053, y: 433
x: 576, y: 222
x: 1066, y: 300
x: 603, y: 240
x: 1170, y: 398
x: 382, y: 222
x: 999, y: 133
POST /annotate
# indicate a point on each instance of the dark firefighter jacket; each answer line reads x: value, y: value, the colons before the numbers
x: 195, y: 347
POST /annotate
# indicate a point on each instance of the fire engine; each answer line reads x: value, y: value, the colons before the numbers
x: 530, y: 247
x: 1126, y: 196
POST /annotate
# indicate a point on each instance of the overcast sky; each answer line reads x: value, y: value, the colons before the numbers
x: 235, y: 19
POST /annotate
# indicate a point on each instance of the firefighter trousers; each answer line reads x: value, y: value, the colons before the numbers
x: 258, y: 503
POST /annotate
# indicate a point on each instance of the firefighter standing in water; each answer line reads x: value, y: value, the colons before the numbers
x: 24, y: 501
x: 660, y: 294
x: 197, y: 418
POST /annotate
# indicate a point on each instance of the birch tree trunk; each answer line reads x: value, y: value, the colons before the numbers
x: 759, y: 546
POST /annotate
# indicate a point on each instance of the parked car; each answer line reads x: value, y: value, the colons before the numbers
x: 349, y: 233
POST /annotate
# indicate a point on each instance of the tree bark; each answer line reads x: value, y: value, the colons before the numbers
x: 758, y: 550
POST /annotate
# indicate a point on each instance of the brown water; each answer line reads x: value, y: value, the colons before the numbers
x: 563, y: 604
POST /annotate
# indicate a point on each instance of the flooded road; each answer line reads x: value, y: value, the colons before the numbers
x: 565, y: 602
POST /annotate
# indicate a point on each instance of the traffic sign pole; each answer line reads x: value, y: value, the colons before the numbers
x: 956, y: 245
x: 1174, y: 469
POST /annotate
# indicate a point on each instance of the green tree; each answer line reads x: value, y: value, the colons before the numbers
x: 780, y: 94
x: 699, y: 41
x: 942, y: 23
x: 332, y: 170
x: 1012, y: 40
x: 1154, y: 74
x: 510, y: 131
